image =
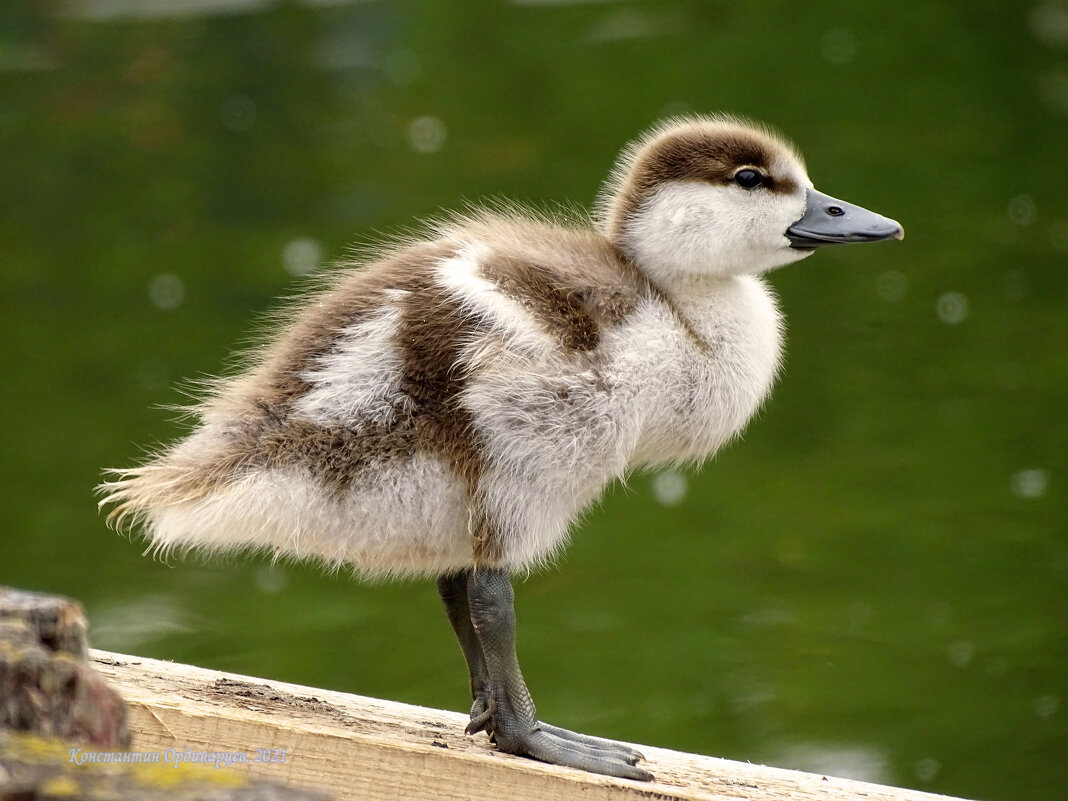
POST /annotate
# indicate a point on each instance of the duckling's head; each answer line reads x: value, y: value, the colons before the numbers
x: 707, y: 196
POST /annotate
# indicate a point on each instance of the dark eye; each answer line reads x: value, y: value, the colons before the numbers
x: 748, y: 179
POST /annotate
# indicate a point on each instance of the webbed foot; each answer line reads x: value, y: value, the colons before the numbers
x: 480, y: 607
x: 571, y: 749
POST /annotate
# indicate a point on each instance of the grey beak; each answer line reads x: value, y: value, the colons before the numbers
x: 827, y: 221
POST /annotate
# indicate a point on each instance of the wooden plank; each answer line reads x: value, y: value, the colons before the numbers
x: 364, y: 748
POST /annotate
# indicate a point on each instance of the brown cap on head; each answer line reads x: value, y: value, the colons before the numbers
x: 706, y: 149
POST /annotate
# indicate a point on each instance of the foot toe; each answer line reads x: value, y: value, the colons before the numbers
x: 479, y: 722
x: 569, y: 751
x: 631, y: 755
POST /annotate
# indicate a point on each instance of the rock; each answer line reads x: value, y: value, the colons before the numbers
x: 46, y: 683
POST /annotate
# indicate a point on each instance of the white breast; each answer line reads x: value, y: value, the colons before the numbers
x: 694, y: 397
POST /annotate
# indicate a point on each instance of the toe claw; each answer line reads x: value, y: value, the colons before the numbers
x: 479, y: 723
x: 481, y: 717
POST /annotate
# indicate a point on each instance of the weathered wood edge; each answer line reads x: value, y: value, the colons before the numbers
x: 365, y: 748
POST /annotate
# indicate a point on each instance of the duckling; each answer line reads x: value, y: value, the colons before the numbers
x: 450, y: 408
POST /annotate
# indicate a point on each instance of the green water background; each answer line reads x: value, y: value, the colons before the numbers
x: 873, y: 582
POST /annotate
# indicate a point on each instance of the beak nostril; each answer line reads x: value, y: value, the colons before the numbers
x: 828, y: 221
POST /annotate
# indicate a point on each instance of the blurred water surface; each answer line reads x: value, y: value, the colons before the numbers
x: 874, y: 583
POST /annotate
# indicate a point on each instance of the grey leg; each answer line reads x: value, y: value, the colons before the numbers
x: 512, y: 721
x: 453, y: 591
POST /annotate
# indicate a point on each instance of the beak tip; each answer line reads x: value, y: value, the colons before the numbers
x: 894, y: 229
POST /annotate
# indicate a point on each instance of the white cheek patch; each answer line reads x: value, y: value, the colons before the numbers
x: 693, y: 229
x: 680, y: 216
x: 686, y: 227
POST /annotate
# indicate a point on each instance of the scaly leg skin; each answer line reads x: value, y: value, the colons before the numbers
x: 453, y: 591
x: 484, y: 621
